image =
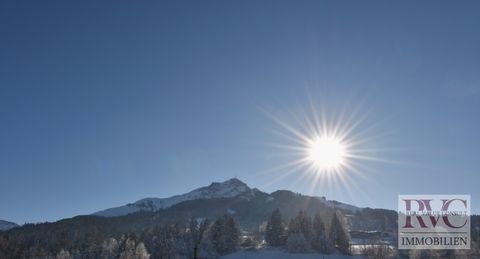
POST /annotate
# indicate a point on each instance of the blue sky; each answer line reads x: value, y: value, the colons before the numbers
x: 102, y: 104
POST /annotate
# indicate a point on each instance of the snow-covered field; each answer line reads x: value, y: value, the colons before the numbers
x: 277, y: 253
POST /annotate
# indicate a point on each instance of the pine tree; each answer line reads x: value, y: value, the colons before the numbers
x: 319, y: 236
x: 224, y: 234
x: 339, y: 236
x: 232, y: 233
x: 275, y: 231
x: 301, y: 224
x: 165, y: 242
x: 299, y: 233
x: 305, y: 225
x: 196, y: 234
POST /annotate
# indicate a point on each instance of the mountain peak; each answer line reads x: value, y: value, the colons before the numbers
x: 227, y: 189
x: 231, y: 183
x: 234, y: 180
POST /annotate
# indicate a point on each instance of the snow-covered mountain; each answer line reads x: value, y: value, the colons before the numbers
x: 6, y: 225
x: 227, y: 189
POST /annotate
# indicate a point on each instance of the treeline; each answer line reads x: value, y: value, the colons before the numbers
x: 304, y: 234
x: 199, y: 238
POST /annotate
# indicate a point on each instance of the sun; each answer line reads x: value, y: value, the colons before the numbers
x: 327, y: 153
x: 331, y: 145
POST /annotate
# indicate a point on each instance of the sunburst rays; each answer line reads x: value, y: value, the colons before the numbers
x: 326, y: 148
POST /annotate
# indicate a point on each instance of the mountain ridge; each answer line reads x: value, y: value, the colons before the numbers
x: 7, y: 225
x: 227, y: 189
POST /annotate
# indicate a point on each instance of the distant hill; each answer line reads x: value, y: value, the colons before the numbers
x: 7, y: 225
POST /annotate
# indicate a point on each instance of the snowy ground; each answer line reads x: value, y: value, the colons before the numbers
x: 277, y: 253
x: 358, y: 249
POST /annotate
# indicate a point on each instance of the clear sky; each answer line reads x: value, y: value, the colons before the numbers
x: 102, y: 104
